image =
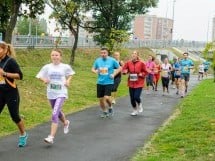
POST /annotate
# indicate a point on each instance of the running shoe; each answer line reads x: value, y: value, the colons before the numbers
x: 110, y: 111
x: 140, y: 108
x: 104, y: 115
x: 49, y: 139
x: 23, y: 140
x: 66, y: 128
x: 134, y: 113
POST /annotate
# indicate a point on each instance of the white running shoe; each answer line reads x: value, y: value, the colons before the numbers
x: 140, y: 108
x: 66, y: 128
x: 49, y: 139
x: 134, y: 113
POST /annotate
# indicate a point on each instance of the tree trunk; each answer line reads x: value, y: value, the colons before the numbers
x: 12, y: 22
x: 75, y: 45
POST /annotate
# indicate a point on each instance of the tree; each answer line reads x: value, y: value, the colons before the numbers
x: 116, y: 38
x: 210, y: 50
x: 37, y: 26
x: 11, y: 9
x: 115, y: 14
x: 69, y: 15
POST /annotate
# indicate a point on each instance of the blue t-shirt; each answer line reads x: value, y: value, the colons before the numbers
x: 206, y: 65
x: 186, y: 64
x: 106, y: 68
x: 177, y: 68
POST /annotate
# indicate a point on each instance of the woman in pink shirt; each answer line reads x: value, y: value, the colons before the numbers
x: 150, y: 67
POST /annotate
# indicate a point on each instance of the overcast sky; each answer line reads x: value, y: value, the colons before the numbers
x: 193, y: 18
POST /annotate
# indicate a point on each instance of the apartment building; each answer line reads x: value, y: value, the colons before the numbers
x: 150, y: 27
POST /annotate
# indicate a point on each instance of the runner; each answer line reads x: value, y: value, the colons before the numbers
x: 186, y: 64
x: 137, y: 72
x: 106, y: 68
x: 201, y: 71
x: 173, y: 73
x: 57, y: 76
x: 157, y: 73
x: 177, y: 74
x: 117, y: 78
x: 150, y: 66
x: 9, y: 94
x: 165, y: 75
x: 206, y: 67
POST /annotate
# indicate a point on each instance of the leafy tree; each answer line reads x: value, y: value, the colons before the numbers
x: 116, y: 38
x: 11, y: 9
x: 210, y: 49
x: 37, y: 26
x: 69, y: 15
x: 115, y: 14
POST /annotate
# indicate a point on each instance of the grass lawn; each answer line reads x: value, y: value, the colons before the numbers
x: 190, y: 136
x: 34, y: 107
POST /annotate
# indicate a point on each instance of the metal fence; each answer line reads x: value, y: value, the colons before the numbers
x: 23, y: 41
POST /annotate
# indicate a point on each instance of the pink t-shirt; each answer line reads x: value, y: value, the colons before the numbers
x: 150, y: 66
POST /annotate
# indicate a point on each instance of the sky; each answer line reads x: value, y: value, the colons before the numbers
x: 192, y: 18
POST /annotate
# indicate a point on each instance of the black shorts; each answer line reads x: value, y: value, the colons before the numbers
x: 117, y: 81
x: 205, y: 70
x: 185, y: 76
x: 104, y: 90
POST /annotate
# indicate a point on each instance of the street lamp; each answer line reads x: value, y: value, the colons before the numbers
x: 173, y: 16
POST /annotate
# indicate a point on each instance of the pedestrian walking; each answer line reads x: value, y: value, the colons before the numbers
x: 117, y: 78
x: 9, y: 94
x: 106, y: 68
x: 136, y: 70
x: 57, y: 76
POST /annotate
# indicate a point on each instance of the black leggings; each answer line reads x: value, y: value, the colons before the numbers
x: 11, y: 98
x: 135, y: 94
x: 165, y: 82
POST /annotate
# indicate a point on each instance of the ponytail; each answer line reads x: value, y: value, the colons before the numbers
x: 10, y: 51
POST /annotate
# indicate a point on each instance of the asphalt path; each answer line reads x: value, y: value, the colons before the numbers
x: 92, y: 138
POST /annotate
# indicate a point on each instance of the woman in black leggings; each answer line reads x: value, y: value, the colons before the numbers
x: 9, y: 95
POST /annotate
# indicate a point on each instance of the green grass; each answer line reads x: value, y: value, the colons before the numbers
x: 34, y: 107
x: 190, y: 136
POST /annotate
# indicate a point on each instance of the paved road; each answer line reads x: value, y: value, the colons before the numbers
x: 93, y: 138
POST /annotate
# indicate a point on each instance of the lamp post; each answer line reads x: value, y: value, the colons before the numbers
x: 173, y: 16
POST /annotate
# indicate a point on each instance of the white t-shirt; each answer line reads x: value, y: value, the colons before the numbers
x: 201, y: 68
x: 165, y: 69
x: 57, y: 75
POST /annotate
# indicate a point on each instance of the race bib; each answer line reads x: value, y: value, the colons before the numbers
x: 186, y: 68
x: 103, y: 71
x: 55, y: 87
x: 133, y: 77
x: 2, y: 80
x: 177, y: 72
x: 164, y: 73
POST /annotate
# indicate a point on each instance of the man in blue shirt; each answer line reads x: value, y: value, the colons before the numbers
x: 106, y: 68
x: 206, y: 67
x: 186, y: 64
